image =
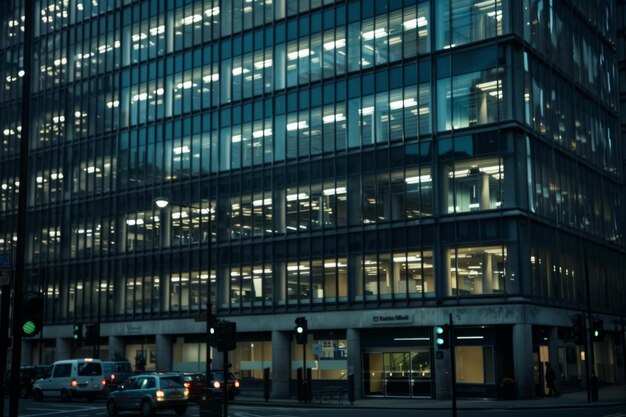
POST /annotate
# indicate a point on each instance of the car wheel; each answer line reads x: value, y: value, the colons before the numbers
x: 66, y: 396
x: 112, y: 408
x: 146, y: 409
x: 180, y: 410
x: 38, y: 395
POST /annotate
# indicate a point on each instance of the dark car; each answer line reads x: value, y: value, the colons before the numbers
x: 215, y: 379
x: 148, y: 394
x: 195, y: 383
x: 115, y: 373
x: 28, y: 375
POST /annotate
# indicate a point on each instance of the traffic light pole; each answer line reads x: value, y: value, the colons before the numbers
x: 589, y: 361
x: 305, y: 383
x: 4, y: 331
x: 452, y: 365
x: 20, y: 257
x: 225, y: 371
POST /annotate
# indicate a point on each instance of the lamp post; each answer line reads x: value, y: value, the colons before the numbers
x: 163, y: 203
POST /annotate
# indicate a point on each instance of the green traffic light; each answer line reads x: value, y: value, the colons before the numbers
x: 29, y: 328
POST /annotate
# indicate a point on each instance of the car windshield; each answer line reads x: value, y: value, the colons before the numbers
x: 171, y: 382
x: 123, y: 367
x: 89, y: 369
x: 117, y: 367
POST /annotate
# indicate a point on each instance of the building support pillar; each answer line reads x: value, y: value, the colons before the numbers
x: 281, y: 364
x: 523, y: 360
x: 117, y: 348
x: 163, y: 352
x: 63, y: 349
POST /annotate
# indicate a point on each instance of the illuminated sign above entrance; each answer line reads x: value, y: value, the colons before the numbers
x: 377, y: 319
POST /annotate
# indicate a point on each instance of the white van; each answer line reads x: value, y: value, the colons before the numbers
x: 71, y: 378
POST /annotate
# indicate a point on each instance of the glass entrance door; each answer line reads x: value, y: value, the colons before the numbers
x: 397, y: 374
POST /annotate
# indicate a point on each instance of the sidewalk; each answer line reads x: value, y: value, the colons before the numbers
x: 608, y: 396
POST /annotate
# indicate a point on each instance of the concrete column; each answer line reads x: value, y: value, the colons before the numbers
x: 553, y: 354
x: 163, y: 352
x: 117, y: 348
x: 63, y: 349
x: 281, y: 364
x: 523, y: 360
x: 483, y: 188
x: 355, y: 368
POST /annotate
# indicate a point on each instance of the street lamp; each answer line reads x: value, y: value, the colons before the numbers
x: 163, y: 203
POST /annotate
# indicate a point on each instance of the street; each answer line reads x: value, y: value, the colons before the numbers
x: 30, y: 408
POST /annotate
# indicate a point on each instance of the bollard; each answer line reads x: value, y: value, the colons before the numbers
x: 266, y: 384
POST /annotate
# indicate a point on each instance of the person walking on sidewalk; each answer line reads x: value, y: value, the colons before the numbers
x: 550, y: 381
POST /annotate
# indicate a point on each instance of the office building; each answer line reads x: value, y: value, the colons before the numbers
x: 378, y: 167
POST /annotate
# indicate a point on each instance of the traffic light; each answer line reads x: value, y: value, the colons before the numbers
x: 301, y: 331
x: 597, y: 330
x: 578, y: 330
x: 222, y: 334
x: 212, y: 330
x: 442, y: 337
x: 31, y: 314
x: 226, y: 336
x: 92, y: 334
x: 77, y: 334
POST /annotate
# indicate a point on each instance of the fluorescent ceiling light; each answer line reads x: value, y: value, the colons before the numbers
x: 374, y: 34
x: 416, y: 179
x: 409, y: 102
x: 299, y: 54
x: 188, y: 20
x: 261, y: 133
x: 181, y: 149
x: 332, y: 118
x: 209, y: 78
x: 263, y: 64
x: 415, y: 23
x: 297, y: 125
x: 336, y: 44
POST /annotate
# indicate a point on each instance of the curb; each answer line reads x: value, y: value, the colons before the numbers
x: 490, y: 407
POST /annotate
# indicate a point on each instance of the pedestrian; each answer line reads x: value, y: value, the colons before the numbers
x: 550, y: 381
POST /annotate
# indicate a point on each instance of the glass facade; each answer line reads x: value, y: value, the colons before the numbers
x: 317, y: 154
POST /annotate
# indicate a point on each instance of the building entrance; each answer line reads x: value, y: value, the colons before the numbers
x: 398, y: 374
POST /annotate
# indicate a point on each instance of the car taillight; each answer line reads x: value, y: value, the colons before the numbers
x: 217, y: 384
x: 236, y: 384
x: 186, y: 393
x: 160, y: 395
x: 187, y: 384
x: 104, y: 381
x: 112, y: 377
x: 74, y: 383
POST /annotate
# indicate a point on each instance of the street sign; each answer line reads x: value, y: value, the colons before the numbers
x: 5, y: 260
